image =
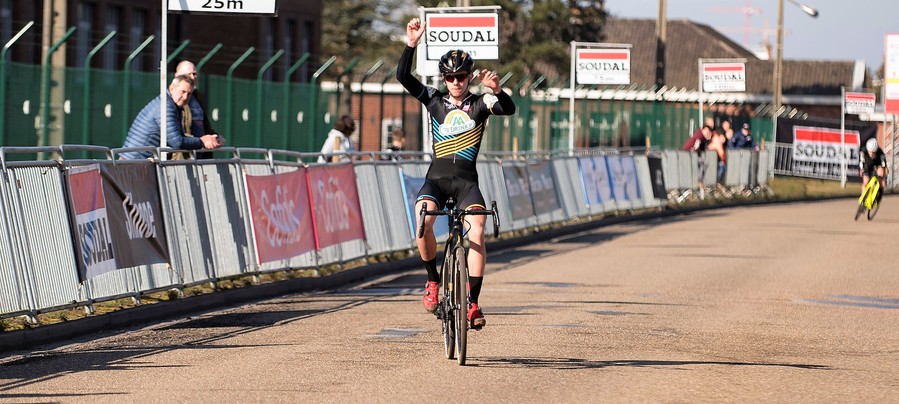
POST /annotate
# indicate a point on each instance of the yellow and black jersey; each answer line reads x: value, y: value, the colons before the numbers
x: 457, y: 129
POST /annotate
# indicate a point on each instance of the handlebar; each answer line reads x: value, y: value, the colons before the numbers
x: 461, y: 213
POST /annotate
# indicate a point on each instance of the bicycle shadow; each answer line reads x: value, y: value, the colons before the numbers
x: 582, y: 364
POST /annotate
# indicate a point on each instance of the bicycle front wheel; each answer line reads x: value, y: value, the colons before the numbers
x: 460, y: 302
x: 447, y: 314
x: 861, y: 203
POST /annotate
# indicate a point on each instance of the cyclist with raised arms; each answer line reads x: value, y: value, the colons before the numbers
x: 457, y: 120
x: 872, y: 161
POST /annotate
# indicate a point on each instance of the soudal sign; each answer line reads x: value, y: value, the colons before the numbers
x: 723, y: 77
x: 860, y: 103
x: 475, y: 33
x: 824, y: 145
x: 603, y: 66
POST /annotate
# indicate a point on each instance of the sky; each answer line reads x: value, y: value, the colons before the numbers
x: 843, y: 30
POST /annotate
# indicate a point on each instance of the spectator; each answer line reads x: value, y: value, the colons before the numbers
x: 197, y: 123
x: 698, y: 143
x: 728, y: 130
x: 397, y: 145
x: 145, y: 130
x: 339, y: 141
x: 718, y: 143
x: 744, y: 140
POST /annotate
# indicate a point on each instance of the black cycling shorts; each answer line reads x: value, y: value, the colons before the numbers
x: 465, y: 192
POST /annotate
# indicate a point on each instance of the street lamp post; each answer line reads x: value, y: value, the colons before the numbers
x: 778, y: 64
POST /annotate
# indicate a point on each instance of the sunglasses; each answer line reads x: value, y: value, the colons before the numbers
x: 460, y: 77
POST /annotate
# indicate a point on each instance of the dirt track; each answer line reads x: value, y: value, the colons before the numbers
x: 744, y: 304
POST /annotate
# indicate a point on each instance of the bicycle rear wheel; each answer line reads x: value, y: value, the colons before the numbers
x: 446, y: 311
x: 460, y: 302
x: 873, y: 211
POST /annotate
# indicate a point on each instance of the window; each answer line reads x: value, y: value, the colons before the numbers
x: 85, y: 23
x: 306, y: 46
x: 110, y: 51
x: 5, y: 21
x: 290, y: 29
x: 268, y: 46
x: 136, y: 36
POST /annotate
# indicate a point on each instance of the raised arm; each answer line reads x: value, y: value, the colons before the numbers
x: 414, y: 31
x: 501, y: 103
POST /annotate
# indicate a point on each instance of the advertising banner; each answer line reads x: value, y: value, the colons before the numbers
x: 603, y: 66
x: 723, y: 77
x: 519, y: 190
x: 623, y: 174
x: 335, y: 204
x: 475, y: 33
x: 280, y: 215
x: 595, y: 175
x: 543, y: 187
x: 93, y: 240
x: 135, y: 214
x: 818, y: 148
x: 656, y: 173
x: 860, y: 103
x: 411, y: 186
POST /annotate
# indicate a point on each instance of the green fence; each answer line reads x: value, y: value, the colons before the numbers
x: 297, y: 116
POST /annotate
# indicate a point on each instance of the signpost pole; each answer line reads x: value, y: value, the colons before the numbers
x: 163, y: 74
x: 843, y: 136
x: 571, y: 101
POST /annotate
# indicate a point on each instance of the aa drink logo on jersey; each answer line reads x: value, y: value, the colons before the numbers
x: 823, y: 145
x: 456, y: 122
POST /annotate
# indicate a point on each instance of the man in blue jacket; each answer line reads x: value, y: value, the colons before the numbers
x: 145, y: 130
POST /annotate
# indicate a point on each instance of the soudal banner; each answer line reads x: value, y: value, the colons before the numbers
x: 860, y: 103
x: 819, y: 149
x: 723, y: 77
x: 595, y: 174
x: 623, y: 173
x: 603, y: 66
x: 135, y: 214
x: 518, y: 190
x: 411, y: 186
x: 543, y: 187
x: 335, y: 204
x: 280, y: 215
x: 93, y: 241
x: 475, y: 33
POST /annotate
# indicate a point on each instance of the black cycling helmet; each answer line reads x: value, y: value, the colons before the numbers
x: 456, y: 61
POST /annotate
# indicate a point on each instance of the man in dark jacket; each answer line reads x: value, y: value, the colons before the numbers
x: 145, y: 130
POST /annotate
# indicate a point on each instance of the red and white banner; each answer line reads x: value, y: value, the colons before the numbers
x: 824, y: 145
x: 603, y: 66
x: 860, y: 103
x: 475, y: 33
x: 891, y: 74
x: 723, y: 77
x: 335, y: 204
x: 280, y: 215
x: 92, y: 237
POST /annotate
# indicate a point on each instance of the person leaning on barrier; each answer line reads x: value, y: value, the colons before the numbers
x: 744, y: 140
x: 145, y: 129
x: 397, y: 145
x: 196, y: 122
x: 338, y: 141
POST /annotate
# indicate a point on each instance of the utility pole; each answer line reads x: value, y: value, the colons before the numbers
x: 661, y: 41
x: 54, y: 25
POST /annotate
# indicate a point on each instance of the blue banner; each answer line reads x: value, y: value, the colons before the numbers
x: 623, y: 175
x: 595, y: 175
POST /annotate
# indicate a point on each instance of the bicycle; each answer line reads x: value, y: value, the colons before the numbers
x: 452, y: 309
x: 870, y: 198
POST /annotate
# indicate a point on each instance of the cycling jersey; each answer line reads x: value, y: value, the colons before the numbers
x: 868, y: 164
x: 457, y: 133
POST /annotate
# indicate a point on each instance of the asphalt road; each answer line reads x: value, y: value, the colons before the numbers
x: 788, y: 303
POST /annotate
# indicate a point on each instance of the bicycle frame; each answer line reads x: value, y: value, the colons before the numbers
x: 869, y: 194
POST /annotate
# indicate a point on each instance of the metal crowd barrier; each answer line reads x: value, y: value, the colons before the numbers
x: 208, y: 222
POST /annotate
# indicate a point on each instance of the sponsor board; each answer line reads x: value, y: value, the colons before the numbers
x: 603, y: 66
x: 252, y: 7
x: 475, y: 33
x: 280, y: 215
x: 92, y: 235
x: 860, y: 103
x: 335, y: 204
x: 891, y: 74
x: 723, y: 77
x: 823, y: 145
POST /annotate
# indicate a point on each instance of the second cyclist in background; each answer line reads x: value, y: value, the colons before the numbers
x: 872, y: 161
x: 457, y: 120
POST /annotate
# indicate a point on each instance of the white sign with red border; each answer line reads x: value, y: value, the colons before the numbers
x: 603, y: 66
x: 823, y: 145
x: 475, y: 33
x: 891, y: 74
x: 254, y: 7
x: 860, y: 103
x: 723, y: 77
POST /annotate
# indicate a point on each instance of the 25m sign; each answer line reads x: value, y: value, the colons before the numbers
x: 252, y: 7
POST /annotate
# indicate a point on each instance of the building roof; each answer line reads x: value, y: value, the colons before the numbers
x: 689, y: 41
